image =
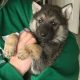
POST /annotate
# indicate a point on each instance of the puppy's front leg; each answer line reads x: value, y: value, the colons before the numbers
x: 32, y: 50
x: 52, y: 49
x: 35, y: 51
x: 10, y: 45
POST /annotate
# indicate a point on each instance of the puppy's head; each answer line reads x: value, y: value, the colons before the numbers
x: 50, y: 24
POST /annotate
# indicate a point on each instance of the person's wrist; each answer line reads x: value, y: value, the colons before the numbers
x: 21, y: 65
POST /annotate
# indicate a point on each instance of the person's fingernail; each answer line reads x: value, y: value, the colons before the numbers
x: 25, y: 29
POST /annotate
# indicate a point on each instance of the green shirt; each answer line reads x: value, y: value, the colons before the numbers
x: 14, y: 17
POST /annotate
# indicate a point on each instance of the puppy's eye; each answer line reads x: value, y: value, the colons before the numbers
x: 53, y: 23
x: 40, y: 20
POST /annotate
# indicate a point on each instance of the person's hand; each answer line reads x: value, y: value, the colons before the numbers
x: 23, y: 66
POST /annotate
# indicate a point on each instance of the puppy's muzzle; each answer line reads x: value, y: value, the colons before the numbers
x: 44, y: 33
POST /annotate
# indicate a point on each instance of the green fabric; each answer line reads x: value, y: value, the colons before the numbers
x: 14, y: 17
x: 1, y: 42
x: 8, y: 72
x: 66, y: 66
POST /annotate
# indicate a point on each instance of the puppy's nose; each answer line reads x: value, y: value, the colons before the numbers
x: 43, y: 35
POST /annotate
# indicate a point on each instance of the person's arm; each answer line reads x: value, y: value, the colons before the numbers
x: 16, y: 68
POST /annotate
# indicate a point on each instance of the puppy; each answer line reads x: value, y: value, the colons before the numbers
x: 50, y: 27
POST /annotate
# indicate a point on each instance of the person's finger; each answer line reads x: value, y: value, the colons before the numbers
x: 25, y: 35
x: 31, y: 41
x: 23, y: 41
x: 22, y: 35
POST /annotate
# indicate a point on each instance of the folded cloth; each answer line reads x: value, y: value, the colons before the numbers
x: 2, y: 3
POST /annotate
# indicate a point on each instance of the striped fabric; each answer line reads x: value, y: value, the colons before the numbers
x: 2, y: 59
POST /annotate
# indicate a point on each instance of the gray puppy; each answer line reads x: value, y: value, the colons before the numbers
x: 50, y: 27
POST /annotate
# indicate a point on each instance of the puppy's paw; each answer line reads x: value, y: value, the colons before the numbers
x: 23, y: 53
x: 10, y: 45
x: 34, y: 50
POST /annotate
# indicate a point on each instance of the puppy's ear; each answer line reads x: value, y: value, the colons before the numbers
x: 67, y: 11
x: 35, y: 7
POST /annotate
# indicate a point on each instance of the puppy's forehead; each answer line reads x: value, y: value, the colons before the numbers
x: 51, y: 11
x: 44, y: 16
